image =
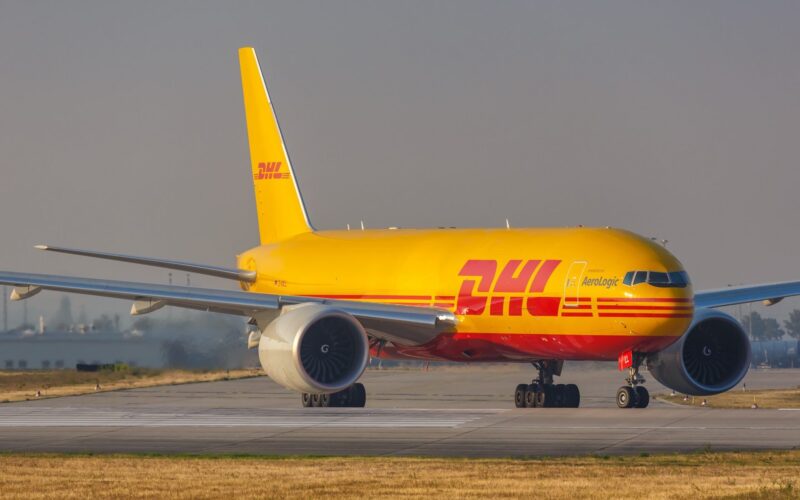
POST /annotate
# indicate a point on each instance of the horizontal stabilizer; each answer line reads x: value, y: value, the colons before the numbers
x: 219, y: 272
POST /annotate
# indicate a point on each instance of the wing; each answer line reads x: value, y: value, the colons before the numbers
x: 219, y: 272
x: 771, y: 294
x: 405, y: 325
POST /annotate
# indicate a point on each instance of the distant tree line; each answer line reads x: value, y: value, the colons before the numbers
x: 760, y: 328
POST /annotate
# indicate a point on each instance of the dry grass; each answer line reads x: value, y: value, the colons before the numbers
x: 768, y: 398
x: 22, y: 385
x: 704, y: 475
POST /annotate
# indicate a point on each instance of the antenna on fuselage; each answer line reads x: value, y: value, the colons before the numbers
x: 348, y: 227
x: 663, y: 242
x: 508, y: 225
x: 362, y: 225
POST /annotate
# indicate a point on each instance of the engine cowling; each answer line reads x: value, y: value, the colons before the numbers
x: 711, y: 357
x: 314, y: 348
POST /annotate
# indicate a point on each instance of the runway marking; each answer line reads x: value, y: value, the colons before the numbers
x: 73, y: 417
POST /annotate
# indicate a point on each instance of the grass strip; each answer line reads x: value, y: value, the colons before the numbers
x: 26, y: 385
x: 699, y: 475
x: 767, y: 398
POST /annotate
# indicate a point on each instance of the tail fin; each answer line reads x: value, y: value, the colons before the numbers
x: 281, y: 213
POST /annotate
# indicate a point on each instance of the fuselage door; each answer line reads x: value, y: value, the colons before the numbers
x: 572, y: 285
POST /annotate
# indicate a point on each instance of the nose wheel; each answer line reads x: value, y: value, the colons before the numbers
x: 634, y: 395
x: 543, y: 393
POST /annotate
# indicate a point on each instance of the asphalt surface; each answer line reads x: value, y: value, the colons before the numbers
x: 456, y: 412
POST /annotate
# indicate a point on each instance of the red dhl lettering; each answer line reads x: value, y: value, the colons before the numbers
x: 512, y: 279
x: 270, y: 170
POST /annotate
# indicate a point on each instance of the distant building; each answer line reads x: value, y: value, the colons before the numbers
x: 63, y: 350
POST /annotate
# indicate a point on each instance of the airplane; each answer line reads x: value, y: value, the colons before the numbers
x: 320, y: 304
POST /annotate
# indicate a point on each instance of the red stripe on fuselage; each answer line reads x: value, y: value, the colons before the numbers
x: 639, y: 299
x: 372, y: 297
x: 646, y: 308
x: 527, y: 347
x: 642, y: 315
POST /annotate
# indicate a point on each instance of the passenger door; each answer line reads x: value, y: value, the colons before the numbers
x: 572, y: 284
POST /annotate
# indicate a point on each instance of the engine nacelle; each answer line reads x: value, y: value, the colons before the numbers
x: 711, y: 357
x: 314, y: 348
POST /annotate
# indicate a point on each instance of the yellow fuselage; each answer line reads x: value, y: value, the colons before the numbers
x: 518, y: 294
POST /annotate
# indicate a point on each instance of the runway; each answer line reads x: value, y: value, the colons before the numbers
x: 461, y: 412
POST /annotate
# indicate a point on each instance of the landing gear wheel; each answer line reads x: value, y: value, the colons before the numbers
x: 339, y: 399
x: 642, y: 396
x: 530, y: 396
x: 354, y: 396
x: 634, y: 395
x: 543, y: 393
x: 545, y: 396
x: 321, y: 400
x: 572, y: 396
x: 625, y: 397
x: 559, y: 395
x: 519, y: 395
x: 358, y: 395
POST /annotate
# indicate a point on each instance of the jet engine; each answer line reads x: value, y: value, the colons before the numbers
x: 314, y: 348
x: 711, y: 357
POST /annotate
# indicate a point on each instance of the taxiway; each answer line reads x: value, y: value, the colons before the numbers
x: 446, y: 412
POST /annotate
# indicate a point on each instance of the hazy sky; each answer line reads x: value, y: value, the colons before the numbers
x: 122, y: 129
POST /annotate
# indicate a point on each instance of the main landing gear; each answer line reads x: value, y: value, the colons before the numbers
x: 634, y: 395
x: 354, y: 396
x: 543, y: 393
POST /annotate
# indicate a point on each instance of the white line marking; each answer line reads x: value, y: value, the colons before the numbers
x: 74, y: 417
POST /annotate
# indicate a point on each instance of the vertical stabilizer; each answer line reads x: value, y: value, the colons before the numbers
x: 281, y: 213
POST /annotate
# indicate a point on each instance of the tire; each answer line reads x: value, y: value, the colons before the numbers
x: 307, y: 400
x: 320, y: 400
x: 358, y: 395
x: 642, y: 396
x: 572, y: 396
x: 530, y: 396
x: 626, y: 397
x: 519, y: 395
x: 544, y: 396
x: 339, y: 399
x: 559, y: 395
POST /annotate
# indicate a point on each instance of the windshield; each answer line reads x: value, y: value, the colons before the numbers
x: 674, y: 279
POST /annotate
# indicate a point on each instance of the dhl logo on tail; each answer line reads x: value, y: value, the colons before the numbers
x: 270, y: 170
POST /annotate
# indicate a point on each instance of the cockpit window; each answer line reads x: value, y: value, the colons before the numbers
x: 628, y: 278
x: 679, y: 278
x: 675, y: 279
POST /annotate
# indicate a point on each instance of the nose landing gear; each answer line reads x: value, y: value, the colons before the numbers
x: 634, y: 395
x: 543, y: 393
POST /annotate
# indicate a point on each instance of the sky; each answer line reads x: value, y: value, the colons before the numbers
x: 122, y: 128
